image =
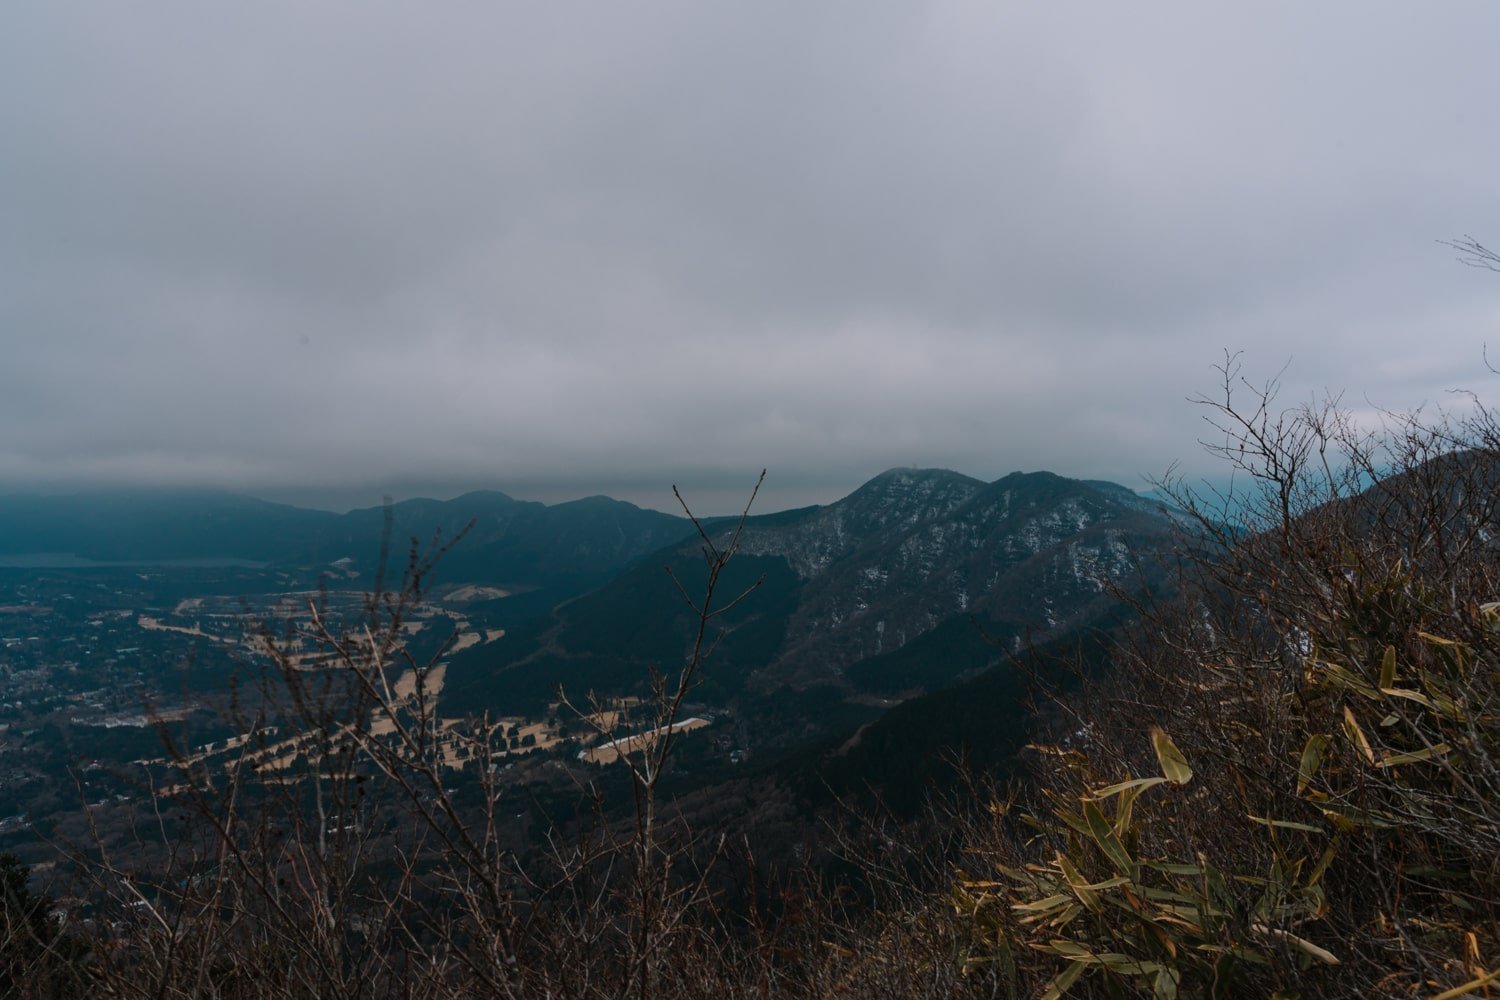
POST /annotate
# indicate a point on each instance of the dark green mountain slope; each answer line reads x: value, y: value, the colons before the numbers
x: 511, y: 542
x: 565, y: 548
x: 921, y: 745
x: 155, y: 524
x: 610, y: 641
x: 874, y: 597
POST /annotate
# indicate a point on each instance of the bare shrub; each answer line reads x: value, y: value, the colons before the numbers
x: 1288, y: 782
x: 355, y: 844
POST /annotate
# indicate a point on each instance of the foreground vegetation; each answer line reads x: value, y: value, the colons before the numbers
x: 1288, y: 784
x: 1284, y: 782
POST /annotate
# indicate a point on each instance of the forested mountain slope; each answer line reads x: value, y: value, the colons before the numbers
x: 512, y: 542
x: 923, y: 560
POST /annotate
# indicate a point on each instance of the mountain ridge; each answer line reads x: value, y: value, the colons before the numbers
x: 908, y: 554
x: 509, y: 541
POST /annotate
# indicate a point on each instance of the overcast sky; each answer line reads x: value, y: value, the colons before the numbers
x: 323, y: 251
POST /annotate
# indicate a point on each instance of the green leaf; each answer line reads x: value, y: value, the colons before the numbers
x: 1125, y: 810
x: 1416, y: 696
x: 1426, y: 753
x: 1085, y: 893
x: 1073, y: 820
x: 1325, y: 860
x: 1174, y: 765
x: 1286, y: 824
x: 1312, y: 759
x: 1357, y: 735
x: 1388, y: 668
x: 1104, y: 835
x: 1072, y: 950
x: 1109, y: 883
x: 1350, y: 819
x: 1125, y: 786
x: 1065, y: 979
x: 1127, y: 965
x: 1167, y: 895
x: 1044, y: 905
x: 1066, y: 916
x: 1349, y: 679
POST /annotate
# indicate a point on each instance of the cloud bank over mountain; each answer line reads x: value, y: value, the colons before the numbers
x: 564, y: 248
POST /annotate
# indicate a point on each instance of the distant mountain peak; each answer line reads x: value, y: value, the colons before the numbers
x: 597, y: 501
x: 1039, y: 476
x: 913, y: 487
x: 908, y: 475
x: 495, y: 495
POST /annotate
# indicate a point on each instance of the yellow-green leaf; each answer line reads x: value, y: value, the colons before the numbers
x: 1056, y: 902
x: 1312, y: 759
x: 1349, y: 679
x: 1125, y: 810
x: 1064, y: 979
x: 1325, y: 860
x: 1415, y: 756
x: 1388, y: 668
x: 1357, y: 735
x: 1104, y: 835
x: 1109, y: 883
x: 1469, y: 987
x: 1066, y: 916
x: 1072, y: 950
x: 1416, y: 696
x: 1128, y: 965
x: 1086, y: 895
x: 1174, y: 765
x: 1437, y: 640
x: 1125, y: 786
x: 1287, y: 824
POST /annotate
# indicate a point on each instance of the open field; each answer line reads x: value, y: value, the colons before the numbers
x: 473, y: 592
x: 608, y: 753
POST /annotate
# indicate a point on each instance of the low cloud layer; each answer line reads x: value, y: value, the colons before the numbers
x: 334, y: 250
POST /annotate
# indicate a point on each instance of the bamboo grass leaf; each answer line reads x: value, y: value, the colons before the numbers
x: 1469, y: 987
x: 1174, y: 766
x: 1388, y: 668
x: 1286, y: 824
x: 1357, y: 735
x: 1064, y: 980
x: 1125, y: 786
x: 1104, y: 835
x: 1312, y: 759
x: 1416, y: 756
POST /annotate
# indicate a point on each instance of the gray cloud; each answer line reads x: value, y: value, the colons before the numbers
x: 338, y: 249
